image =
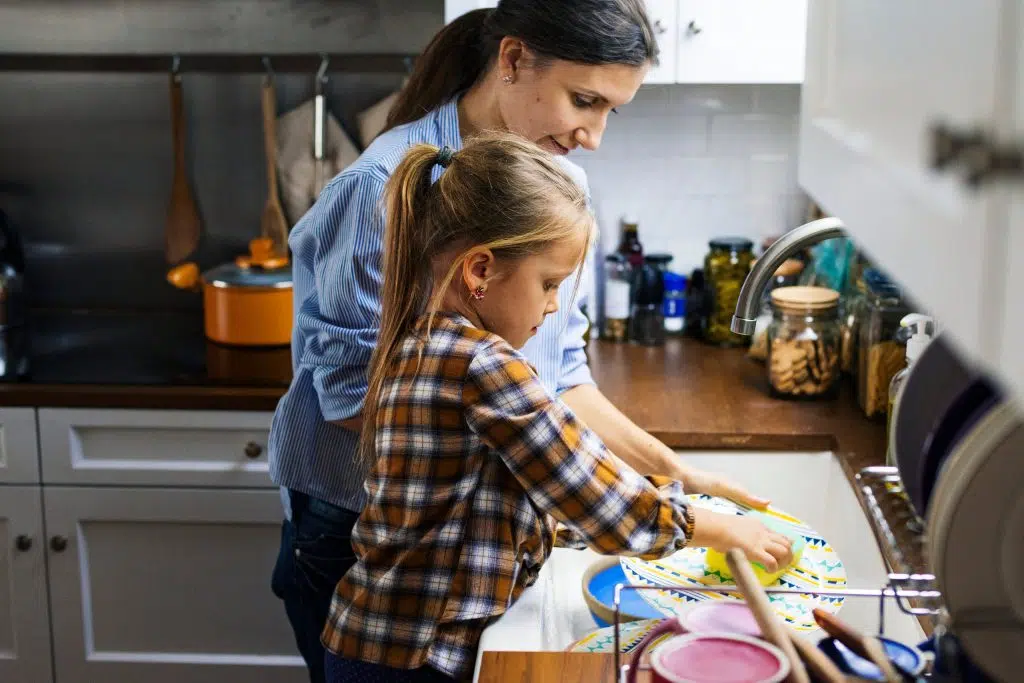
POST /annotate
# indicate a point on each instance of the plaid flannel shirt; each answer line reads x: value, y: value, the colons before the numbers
x: 475, y: 463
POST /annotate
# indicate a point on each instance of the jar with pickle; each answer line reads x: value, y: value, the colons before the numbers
x: 880, y: 355
x: 726, y: 266
x: 804, y: 342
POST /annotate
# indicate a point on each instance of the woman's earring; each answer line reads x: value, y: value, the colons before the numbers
x: 507, y: 79
x: 478, y: 293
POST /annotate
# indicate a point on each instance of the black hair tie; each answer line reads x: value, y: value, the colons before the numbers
x: 444, y: 156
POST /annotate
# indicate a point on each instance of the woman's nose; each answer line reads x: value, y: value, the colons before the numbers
x: 589, y: 138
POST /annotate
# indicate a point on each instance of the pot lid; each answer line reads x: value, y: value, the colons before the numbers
x: 232, y: 275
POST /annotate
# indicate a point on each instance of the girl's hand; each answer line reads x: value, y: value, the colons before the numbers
x: 712, y: 484
x: 725, y: 532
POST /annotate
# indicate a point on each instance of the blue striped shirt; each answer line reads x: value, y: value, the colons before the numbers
x: 336, y: 253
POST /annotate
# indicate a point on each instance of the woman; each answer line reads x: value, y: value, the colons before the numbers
x: 525, y: 67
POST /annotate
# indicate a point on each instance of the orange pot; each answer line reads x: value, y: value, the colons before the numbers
x: 243, y: 304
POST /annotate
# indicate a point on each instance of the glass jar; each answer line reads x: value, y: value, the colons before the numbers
x: 880, y: 356
x: 803, y: 342
x: 618, y: 280
x: 726, y: 266
x: 851, y: 315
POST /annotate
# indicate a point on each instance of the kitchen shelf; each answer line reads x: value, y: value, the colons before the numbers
x: 205, y: 62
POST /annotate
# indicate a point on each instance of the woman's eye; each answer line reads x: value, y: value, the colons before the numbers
x: 614, y: 110
x: 583, y: 102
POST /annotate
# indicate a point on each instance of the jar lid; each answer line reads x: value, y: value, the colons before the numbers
x: 658, y: 258
x: 731, y: 243
x: 799, y: 298
x: 232, y: 275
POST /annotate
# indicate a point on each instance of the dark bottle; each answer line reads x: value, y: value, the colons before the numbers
x: 629, y: 243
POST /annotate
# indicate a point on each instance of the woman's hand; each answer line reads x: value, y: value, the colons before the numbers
x: 725, y: 532
x: 712, y: 484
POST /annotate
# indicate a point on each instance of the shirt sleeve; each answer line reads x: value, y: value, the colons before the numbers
x: 564, y: 467
x: 340, y: 240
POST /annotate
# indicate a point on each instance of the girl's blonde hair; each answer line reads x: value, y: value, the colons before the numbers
x: 500, y: 192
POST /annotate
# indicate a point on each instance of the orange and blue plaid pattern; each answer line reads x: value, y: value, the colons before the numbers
x: 475, y: 463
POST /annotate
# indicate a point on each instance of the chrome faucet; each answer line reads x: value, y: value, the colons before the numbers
x: 749, y: 303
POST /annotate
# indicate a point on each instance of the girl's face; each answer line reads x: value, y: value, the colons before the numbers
x: 561, y: 105
x: 520, y: 294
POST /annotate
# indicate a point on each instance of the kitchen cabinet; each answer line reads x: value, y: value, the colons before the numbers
x: 19, y: 453
x: 24, y: 617
x: 716, y: 41
x: 883, y: 81
x: 741, y: 41
x: 155, y: 447
x: 166, y: 585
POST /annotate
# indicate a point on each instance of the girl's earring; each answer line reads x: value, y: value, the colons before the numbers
x: 507, y: 79
x: 478, y: 293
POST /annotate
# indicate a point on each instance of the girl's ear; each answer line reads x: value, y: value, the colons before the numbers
x: 477, y: 269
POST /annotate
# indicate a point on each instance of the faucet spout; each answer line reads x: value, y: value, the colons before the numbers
x: 749, y: 302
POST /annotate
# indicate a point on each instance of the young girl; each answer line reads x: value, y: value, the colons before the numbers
x: 471, y: 459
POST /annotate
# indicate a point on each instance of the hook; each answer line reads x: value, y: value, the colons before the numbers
x: 409, y: 63
x: 321, y: 73
x: 176, y: 67
x: 268, y: 68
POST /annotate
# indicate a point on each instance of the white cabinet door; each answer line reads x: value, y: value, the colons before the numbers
x: 155, y: 447
x: 664, y: 16
x: 741, y: 41
x: 456, y: 8
x: 165, y: 586
x: 24, y: 613
x: 879, y: 75
x: 19, y: 449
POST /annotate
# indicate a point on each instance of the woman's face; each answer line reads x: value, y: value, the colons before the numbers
x: 561, y: 105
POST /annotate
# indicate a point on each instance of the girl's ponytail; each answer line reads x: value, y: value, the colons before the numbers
x: 407, y: 275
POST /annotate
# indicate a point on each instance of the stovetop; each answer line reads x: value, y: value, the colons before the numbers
x: 135, y: 348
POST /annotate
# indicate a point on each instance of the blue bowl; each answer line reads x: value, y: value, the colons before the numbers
x: 599, y: 592
x: 907, y: 657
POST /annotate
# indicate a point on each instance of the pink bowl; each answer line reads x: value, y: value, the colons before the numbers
x: 718, y: 658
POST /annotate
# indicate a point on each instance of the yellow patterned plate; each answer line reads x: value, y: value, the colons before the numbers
x: 819, y: 569
x: 632, y: 632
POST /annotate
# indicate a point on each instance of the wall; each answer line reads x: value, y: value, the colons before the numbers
x: 696, y: 162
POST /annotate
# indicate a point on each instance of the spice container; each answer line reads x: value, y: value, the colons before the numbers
x: 674, y: 305
x: 726, y: 266
x: 785, y: 275
x: 647, y: 321
x: 618, y: 280
x: 880, y: 356
x: 803, y: 342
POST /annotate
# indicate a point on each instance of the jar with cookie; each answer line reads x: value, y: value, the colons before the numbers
x: 804, y: 342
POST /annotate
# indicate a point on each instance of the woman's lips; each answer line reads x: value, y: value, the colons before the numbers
x: 558, y: 148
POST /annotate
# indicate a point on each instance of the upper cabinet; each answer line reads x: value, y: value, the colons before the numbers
x: 908, y: 117
x: 716, y: 41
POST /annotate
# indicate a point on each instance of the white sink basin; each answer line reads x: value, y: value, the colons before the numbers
x: 812, y: 486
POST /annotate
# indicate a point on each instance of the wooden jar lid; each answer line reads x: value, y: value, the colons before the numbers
x: 805, y: 298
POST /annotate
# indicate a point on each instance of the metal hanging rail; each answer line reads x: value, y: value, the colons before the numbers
x: 205, y: 62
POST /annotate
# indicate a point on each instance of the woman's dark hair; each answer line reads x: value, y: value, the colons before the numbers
x: 584, y: 31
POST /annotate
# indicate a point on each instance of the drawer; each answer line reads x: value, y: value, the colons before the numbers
x: 19, y: 448
x: 154, y: 447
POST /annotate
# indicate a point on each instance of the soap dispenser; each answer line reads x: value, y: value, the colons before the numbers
x: 921, y: 328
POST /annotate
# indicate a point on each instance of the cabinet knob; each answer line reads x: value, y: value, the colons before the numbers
x: 58, y: 544
x: 978, y: 155
x: 23, y: 542
x: 693, y: 29
x: 253, y: 450
x: 659, y: 28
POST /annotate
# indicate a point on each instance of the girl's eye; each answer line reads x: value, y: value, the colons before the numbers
x: 549, y: 286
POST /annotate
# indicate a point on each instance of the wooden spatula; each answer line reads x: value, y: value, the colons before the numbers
x: 181, y: 234
x: 273, y: 223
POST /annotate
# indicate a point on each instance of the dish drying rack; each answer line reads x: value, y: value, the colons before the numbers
x: 880, y: 490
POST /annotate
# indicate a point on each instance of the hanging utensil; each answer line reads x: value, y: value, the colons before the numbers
x: 272, y: 224
x: 319, y: 127
x: 181, y: 233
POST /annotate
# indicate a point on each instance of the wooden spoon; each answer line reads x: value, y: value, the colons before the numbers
x: 771, y: 628
x: 272, y: 223
x: 181, y: 234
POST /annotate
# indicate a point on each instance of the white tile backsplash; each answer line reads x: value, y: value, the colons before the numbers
x: 696, y: 162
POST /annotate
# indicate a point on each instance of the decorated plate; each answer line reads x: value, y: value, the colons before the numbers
x: 632, y: 632
x: 819, y: 568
